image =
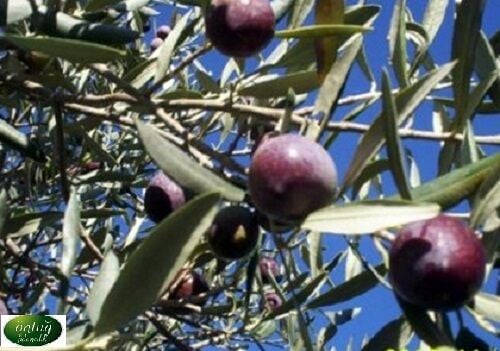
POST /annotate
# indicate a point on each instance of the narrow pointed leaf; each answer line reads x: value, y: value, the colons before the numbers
x: 394, y: 335
x: 397, y: 42
x: 153, y: 265
x: 394, y: 147
x: 186, y: 171
x: 488, y: 306
x: 433, y: 17
x: 334, y: 81
x: 110, y: 269
x: 71, y: 235
x: 356, y: 286
x: 301, y: 82
x: 76, y: 51
x: 327, y: 12
x: 423, y: 326
x: 366, y: 217
x: 466, y: 34
x: 486, y: 62
x: 451, y: 188
x: 488, y: 200
x: 406, y: 102
x: 323, y: 30
x: 167, y: 48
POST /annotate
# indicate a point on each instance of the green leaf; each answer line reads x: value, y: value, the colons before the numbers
x: 423, y: 326
x: 365, y: 217
x: 300, y: 82
x: 394, y: 335
x: 485, y: 63
x: 183, y: 168
x: 406, y: 102
x: 167, y: 48
x: 488, y: 306
x: 301, y: 9
x: 71, y: 235
x: 160, y: 256
x: 451, y: 188
x: 110, y: 269
x: 395, y: 151
x: 327, y: 12
x: 19, y: 142
x: 331, y: 88
x: 487, y: 200
x: 433, y: 17
x: 28, y: 223
x: 66, y: 26
x: 397, y: 42
x: 360, y: 15
x: 76, y: 51
x: 304, y: 333
x: 466, y: 34
x: 357, y: 285
x: 319, y: 31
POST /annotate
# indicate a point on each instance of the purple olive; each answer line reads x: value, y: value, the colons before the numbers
x: 290, y: 177
x: 273, y: 301
x: 240, y: 28
x: 437, y: 264
x: 162, y: 197
x: 234, y: 233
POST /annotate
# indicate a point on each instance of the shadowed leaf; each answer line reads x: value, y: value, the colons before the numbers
x: 186, y: 171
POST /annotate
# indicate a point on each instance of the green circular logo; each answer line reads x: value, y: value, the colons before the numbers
x: 32, y: 330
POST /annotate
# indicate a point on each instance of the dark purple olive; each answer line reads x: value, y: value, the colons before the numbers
x: 234, y: 233
x: 155, y: 43
x: 290, y: 177
x: 163, y: 31
x: 186, y: 284
x: 239, y: 28
x: 437, y: 264
x: 162, y: 197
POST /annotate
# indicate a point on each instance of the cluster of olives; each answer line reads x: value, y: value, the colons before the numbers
x: 161, y: 34
x: 437, y: 263
x: 290, y: 176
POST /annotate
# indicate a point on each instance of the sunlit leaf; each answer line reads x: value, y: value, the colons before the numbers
x: 151, y: 268
x: 110, y: 269
x: 367, y: 216
x: 406, y: 101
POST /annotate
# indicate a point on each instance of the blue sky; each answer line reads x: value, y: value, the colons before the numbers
x: 378, y: 306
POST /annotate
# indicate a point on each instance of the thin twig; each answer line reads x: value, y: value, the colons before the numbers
x: 61, y: 149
